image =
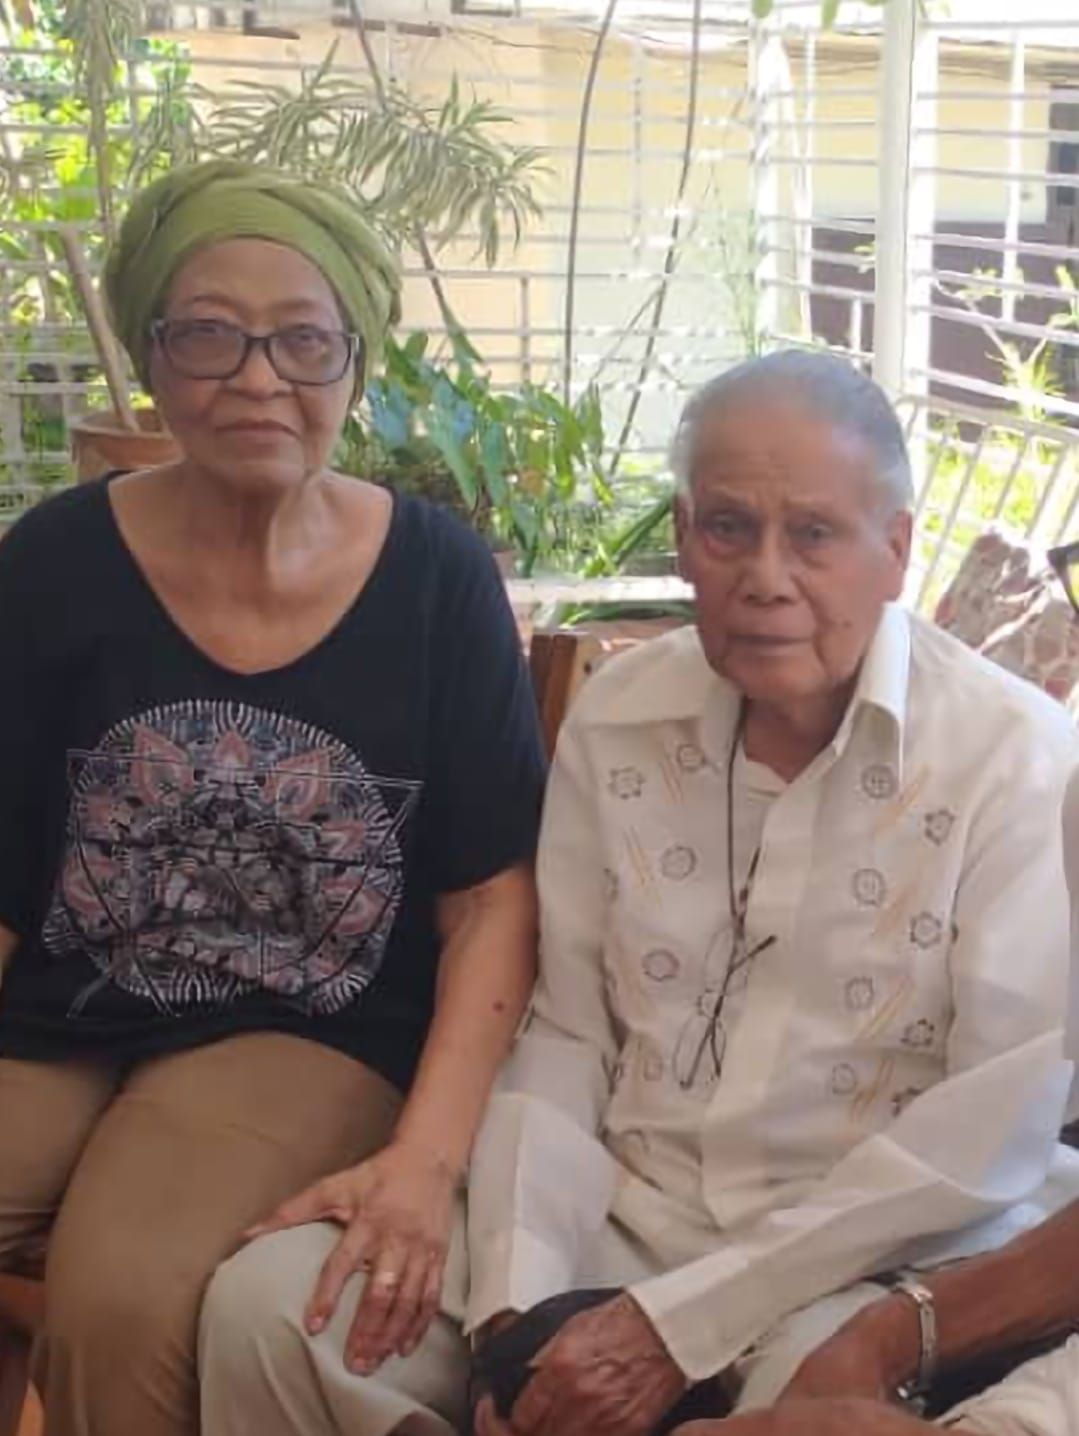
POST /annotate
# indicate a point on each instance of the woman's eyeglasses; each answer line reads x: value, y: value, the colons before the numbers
x: 215, y: 349
x: 1065, y: 562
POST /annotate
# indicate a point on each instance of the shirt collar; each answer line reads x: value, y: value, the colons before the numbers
x: 680, y: 684
x: 884, y: 680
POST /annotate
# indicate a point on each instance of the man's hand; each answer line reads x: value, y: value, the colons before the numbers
x: 869, y: 1356
x: 488, y: 1421
x: 606, y: 1371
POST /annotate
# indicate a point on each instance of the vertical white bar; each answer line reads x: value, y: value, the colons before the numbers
x: 893, y: 193
x: 905, y: 223
x: 1011, y: 270
x: 796, y: 128
x: 766, y: 69
x: 804, y: 233
x: 921, y: 208
x: 637, y: 170
x: 526, y: 329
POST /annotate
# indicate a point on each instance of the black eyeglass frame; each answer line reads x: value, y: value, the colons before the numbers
x: 1060, y: 559
x: 354, y: 354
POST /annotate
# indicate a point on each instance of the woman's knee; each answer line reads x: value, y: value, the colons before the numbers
x: 100, y: 1293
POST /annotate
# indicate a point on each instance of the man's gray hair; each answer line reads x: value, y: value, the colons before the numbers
x: 831, y: 387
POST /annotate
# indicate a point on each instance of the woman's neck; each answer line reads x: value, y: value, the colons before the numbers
x: 250, y: 527
x: 239, y: 547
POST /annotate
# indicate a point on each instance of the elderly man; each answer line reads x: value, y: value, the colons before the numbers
x: 803, y: 975
x: 804, y: 938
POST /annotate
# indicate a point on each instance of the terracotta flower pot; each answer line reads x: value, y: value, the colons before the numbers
x: 100, y: 443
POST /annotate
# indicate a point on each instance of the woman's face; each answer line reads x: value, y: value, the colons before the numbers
x: 255, y: 431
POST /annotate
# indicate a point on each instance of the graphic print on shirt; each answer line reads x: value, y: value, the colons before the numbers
x: 215, y: 850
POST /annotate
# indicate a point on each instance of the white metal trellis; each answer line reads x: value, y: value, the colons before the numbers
x: 844, y: 187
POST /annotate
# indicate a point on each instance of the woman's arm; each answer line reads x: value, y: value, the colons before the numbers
x: 397, y: 1207
x: 485, y: 976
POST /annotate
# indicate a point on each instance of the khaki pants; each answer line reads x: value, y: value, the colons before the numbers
x: 141, y: 1182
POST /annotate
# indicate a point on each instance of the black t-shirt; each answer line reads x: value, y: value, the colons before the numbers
x: 187, y: 853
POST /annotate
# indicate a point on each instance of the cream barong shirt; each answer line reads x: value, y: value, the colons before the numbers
x: 892, y: 1065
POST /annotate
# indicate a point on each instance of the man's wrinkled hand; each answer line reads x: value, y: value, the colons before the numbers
x: 606, y: 1371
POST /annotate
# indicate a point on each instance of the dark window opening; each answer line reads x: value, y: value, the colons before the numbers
x: 1062, y: 200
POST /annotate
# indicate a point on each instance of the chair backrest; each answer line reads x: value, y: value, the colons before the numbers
x: 560, y: 660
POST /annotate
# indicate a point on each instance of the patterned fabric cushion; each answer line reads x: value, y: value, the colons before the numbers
x: 1007, y: 603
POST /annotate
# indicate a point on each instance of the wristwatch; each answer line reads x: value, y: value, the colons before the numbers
x: 913, y: 1392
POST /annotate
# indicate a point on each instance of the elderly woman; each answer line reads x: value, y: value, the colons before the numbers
x: 267, y: 820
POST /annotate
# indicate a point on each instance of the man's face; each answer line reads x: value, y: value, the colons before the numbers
x: 792, y: 547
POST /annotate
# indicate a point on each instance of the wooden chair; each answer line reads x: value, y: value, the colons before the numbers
x: 560, y: 660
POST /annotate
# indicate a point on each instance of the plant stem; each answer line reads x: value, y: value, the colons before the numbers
x: 575, y: 207
x: 99, y: 144
x: 419, y: 239
x: 671, y: 257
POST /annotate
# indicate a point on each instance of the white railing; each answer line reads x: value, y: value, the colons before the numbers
x: 978, y: 469
x: 961, y: 119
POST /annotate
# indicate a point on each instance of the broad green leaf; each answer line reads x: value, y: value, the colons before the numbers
x: 495, y: 461
x: 440, y: 430
x: 415, y: 346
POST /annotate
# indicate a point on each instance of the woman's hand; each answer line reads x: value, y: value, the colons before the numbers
x: 396, y: 1210
x: 606, y: 1371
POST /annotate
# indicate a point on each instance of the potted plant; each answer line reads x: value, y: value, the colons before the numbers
x: 72, y: 85
x: 521, y: 465
x: 420, y: 168
x: 121, y: 437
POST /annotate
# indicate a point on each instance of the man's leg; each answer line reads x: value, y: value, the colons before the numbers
x: 260, y: 1371
x: 192, y: 1149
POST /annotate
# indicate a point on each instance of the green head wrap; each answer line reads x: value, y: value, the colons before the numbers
x: 202, y: 204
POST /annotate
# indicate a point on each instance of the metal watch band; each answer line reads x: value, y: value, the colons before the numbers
x: 922, y: 1297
